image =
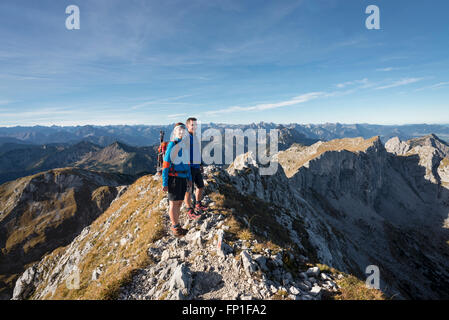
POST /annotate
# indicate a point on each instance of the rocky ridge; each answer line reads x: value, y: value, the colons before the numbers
x: 203, y: 266
x: 209, y: 263
x: 348, y: 206
x: 433, y: 155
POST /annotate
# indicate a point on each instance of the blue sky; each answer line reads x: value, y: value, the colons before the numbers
x: 157, y: 62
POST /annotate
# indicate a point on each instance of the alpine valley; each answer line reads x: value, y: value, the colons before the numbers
x: 83, y: 216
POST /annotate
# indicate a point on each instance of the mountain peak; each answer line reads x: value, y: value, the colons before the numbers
x: 434, y: 137
x: 120, y: 146
x: 244, y: 160
x: 430, y: 141
x: 426, y: 140
x: 297, y: 156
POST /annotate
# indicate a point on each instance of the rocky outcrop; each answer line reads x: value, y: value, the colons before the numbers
x: 443, y: 172
x: 429, y: 149
x: 188, y: 269
x: 45, y: 211
x: 372, y: 201
x: 336, y: 172
x: 206, y: 264
x: 347, y: 204
x: 396, y: 146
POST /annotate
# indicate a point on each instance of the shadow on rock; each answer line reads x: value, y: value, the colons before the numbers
x: 205, y: 282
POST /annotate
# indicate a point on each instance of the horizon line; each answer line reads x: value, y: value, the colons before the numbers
x: 226, y: 123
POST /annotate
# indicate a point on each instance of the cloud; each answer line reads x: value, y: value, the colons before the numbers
x: 5, y: 102
x: 350, y: 83
x: 399, y: 83
x: 161, y: 101
x: 362, y: 84
x: 267, y: 106
x: 386, y: 69
x: 435, y: 86
x: 46, y: 112
x: 176, y: 115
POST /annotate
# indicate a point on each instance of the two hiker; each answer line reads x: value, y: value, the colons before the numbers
x: 180, y: 172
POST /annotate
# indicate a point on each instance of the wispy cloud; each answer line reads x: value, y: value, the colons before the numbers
x: 176, y: 115
x: 388, y: 69
x: 266, y: 106
x: 435, y: 86
x: 160, y: 101
x: 5, y: 102
x: 21, y: 77
x: 399, y: 83
x: 350, y: 83
x: 354, y: 86
x: 38, y: 113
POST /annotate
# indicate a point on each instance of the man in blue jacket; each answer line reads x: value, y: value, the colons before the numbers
x: 176, y: 177
x: 195, y: 169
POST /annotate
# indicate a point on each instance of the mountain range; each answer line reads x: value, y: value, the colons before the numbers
x: 307, y: 232
x: 19, y: 160
x: 42, y: 212
x: 148, y: 135
x: 132, y: 149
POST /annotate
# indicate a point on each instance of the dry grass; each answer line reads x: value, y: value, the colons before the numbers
x: 245, y: 234
x: 261, y: 246
x: 30, y: 229
x: 260, y: 215
x: 352, y: 288
x: 250, y: 218
x: 280, y: 295
x: 53, y: 217
x: 120, y: 262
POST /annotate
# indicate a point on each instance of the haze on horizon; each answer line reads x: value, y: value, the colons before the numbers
x: 147, y: 62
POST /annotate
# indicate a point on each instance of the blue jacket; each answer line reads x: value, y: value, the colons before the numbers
x: 181, y: 170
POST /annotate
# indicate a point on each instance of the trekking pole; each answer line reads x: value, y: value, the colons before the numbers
x: 159, y: 154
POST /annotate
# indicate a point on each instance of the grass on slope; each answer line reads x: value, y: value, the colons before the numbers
x: 351, y: 287
x: 444, y: 162
x: 119, y: 261
x: 250, y: 218
x: 241, y: 209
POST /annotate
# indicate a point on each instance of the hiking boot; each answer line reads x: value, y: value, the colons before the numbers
x: 179, y: 231
x: 193, y: 214
x: 199, y: 206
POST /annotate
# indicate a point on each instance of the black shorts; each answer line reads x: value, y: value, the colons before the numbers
x: 177, y: 188
x: 197, y: 177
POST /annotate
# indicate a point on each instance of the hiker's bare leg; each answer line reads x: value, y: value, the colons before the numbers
x: 188, y: 199
x: 174, y: 211
x: 199, y: 194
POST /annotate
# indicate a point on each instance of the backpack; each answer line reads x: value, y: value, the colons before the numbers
x: 160, y: 156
